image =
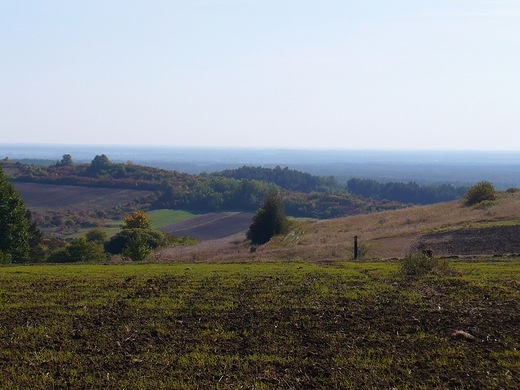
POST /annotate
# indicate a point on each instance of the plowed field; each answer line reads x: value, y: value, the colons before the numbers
x: 488, y: 241
x: 212, y: 226
x: 59, y: 197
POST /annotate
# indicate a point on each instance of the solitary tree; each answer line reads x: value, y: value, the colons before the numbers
x: 14, y: 235
x: 268, y: 221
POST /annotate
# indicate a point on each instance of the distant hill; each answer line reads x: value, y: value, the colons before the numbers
x: 322, y: 198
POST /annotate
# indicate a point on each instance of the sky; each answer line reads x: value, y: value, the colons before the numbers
x: 296, y: 74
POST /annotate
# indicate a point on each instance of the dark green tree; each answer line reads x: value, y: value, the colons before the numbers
x: 268, y: 221
x: 100, y: 165
x: 14, y: 226
x: 66, y: 161
x: 137, y: 248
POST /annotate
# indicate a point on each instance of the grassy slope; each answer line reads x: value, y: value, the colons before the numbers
x: 387, y: 234
x: 420, y: 219
x: 258, y: 325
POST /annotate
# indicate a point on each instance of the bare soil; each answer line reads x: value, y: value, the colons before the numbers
x: 276, y: 328
x: 60, y: 197
x: 212, y: 226
x: 487, y: 241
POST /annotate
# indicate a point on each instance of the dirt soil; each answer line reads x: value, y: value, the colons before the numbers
x: 488, y: 241
x: 59, y: 197
x: 278, y: 330
x: 212, y: 226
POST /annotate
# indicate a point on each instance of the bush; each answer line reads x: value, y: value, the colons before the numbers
x: 153, y: 238
x: 420, y: 264
x: 79, y: 250
x: 480, y: 192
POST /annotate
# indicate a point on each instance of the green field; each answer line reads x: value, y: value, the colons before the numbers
x: 260, y: 326
x: 166, y: 217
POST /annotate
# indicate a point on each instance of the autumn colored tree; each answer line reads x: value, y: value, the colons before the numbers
x: 137, y: 220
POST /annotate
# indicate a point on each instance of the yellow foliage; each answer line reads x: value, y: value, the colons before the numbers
x: 137, y: 220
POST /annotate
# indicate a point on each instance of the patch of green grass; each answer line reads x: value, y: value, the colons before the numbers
x: 165, y: 217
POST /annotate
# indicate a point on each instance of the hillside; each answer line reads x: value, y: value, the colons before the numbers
x: 175, y: 190
x: 386, y: 234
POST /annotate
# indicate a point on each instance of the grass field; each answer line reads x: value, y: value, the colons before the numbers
x: 260, y: 325
x: 164, y: 217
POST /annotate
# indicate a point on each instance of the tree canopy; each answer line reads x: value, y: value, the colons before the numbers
x: 14, y: 225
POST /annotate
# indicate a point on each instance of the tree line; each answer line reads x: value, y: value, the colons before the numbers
x: 289, y: 179
x: 405, y: 192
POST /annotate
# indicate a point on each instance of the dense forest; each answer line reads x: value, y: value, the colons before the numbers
x: 405, y: 192
x: 286, y: 178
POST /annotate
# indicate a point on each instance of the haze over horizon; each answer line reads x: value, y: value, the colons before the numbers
x: 287, y: 74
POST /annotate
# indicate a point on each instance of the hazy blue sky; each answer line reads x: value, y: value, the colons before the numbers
x: 261, y: 73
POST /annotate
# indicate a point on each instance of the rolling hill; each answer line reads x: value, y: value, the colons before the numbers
x: 449, y: 229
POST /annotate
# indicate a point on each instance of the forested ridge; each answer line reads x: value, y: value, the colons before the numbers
x: 214, y: 192
x: 242, y: 189
x: 405, y: 192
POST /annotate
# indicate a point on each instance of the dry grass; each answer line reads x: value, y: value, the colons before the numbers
x: 386, y: 234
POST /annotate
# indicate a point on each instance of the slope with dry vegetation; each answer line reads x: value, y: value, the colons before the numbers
x: 381, y: 235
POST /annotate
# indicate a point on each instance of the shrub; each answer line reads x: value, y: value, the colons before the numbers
x: 480, y: 192
x: 79, y: 250
x: 153, y: 238
x: 420, y: 264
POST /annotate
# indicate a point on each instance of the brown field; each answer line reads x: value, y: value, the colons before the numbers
x: 59, y: 197
x: 447, y: 228
x: 212, y: 226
